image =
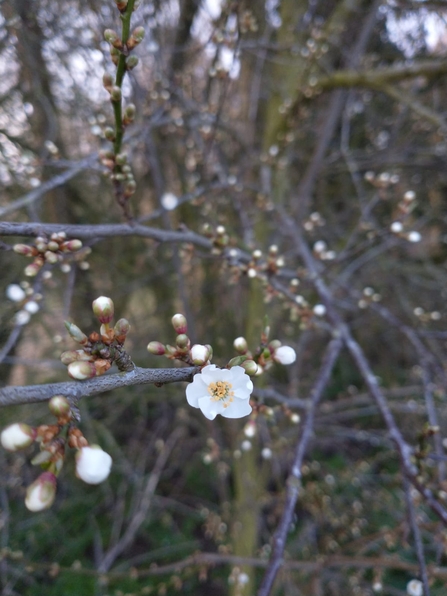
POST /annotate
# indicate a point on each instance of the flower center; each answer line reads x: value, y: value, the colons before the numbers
x: 221, y: 391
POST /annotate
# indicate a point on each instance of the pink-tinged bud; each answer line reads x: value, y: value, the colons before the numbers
x: 41, y: 493
x: 59, y: 405
x: 250, y: 367
x: 156, y: 348
x: 111, y: 37
x: 182, y: 341
x: 284, y: 355
x: 199, y: 354
x: 179, y: 323
x: 74, y: 355
x: 23, y: 249
x: 121, y: 5
x: 33, y: 269
x: 121, y: 329
x: 240, y: 345
x: 115, y: 93
x: 81, y: 370
x: 93, y: 464
x: 103, y: 309
x: 76, y: 333
x: 17, y: 436
x: 71, y: 245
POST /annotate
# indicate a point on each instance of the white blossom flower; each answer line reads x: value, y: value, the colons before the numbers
x: 285, y: 355
x: 414, y: 588
x: 22, y: 317
x: 93, y: 464
x: 396, y: 227
x: 32, y: 307
x: 169, y: 201
x: 41, y: 493
x: 221, y: 391
x: 414, y: 237
x: 17, y: 436
x: 15, y: 293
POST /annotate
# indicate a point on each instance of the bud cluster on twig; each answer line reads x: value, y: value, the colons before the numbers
x: 92, y: 463
x: 99, y: 350
x: 48, y: 251
x: 121, y: 46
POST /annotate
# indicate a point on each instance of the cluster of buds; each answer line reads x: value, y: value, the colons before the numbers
x: 382, y: 180
x: 92, y: 463
x: 193, y: 355
x: 267, y: 353
x: 218, y: 236
x: 368, y: 295
x: 120, y: 170
x: 99, y: 350
x: 47, y: 251
x: 321, y: 251
x: 314, y: 221
x: 258, y: 266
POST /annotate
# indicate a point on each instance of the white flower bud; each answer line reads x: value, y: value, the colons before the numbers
x: 81, y: 370
x: 396, y: 227
x: 93, y: 464
x: 199, y: 354
x: 41, y: 493
x: 103, y: 308
x: 414, y: 237
x: 32, y: 307
x: 415, y: 588
x: 15, y: 293
x: 17, y: 436
x: 285, y: 355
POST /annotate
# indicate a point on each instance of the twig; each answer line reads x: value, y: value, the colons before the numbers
x: 294, y: 479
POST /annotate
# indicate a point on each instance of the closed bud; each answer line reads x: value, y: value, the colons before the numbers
x: 115, y: 55
x: 274, y: 344
x: 182, y: 341
x: 237, y: 361
x: 130, y: 188
x: 107, y: 81
x: 51, y: 257
x: 41, y: 493
x: 93, y: 464
x: 41, y: 245
x: 103, y: 309
x: 23, y: 249
x: 74, y: 355
x: 199, y: 354
x: 156, y: 348
x: 17, y: 436
x: 179, y: 323
x: 121, y: 5
x: 71, y: 245
x: 136, y: 38
x: 250, y: 367
x: 53, y: 245
x: 33, y: 269
x: 109, y: 133
x: 81, y: 370
x: 240, y: 345
x: 76, y: 333
x: 129, y: 114
x: 115, y: 93
x: 285, y: 355
x: 112, y: 37
x: 121, y: 159
x: 131, y: 62
x: 122, y: 327
x: 101, y: 366
x: 59, y: 405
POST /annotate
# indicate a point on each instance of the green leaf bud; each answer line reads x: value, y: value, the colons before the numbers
x: 115, y: 93
x: 107, y: 81
x: 109, y: 133
x: 76, y: 333
x: 112, y: 37
x: 250, y: 367
x: 131, y: 62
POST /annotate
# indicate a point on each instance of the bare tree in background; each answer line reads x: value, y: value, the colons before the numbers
x: 283, y: 160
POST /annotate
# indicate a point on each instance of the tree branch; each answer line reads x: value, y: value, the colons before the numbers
x: 19, y: 395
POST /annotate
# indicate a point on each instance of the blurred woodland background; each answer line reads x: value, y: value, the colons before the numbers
x: 290, y: 162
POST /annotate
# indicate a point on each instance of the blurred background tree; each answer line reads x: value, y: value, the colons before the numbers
x: 290, y: 159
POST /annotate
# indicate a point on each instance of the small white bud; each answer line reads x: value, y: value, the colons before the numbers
x: 93, y: 464
x: 32, y: 307
x: 319, y: 310
x: 414, y: 237
x: 17, y: 436
x: 414, y: 588
x: 199, y: 354
x: 396, y: 227
x: 285, y: 355
x: 22, y: 317
x: 15, y: 293
x: 169, y: 201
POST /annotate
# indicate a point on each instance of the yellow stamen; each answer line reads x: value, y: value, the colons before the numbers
x: 221, y: 391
